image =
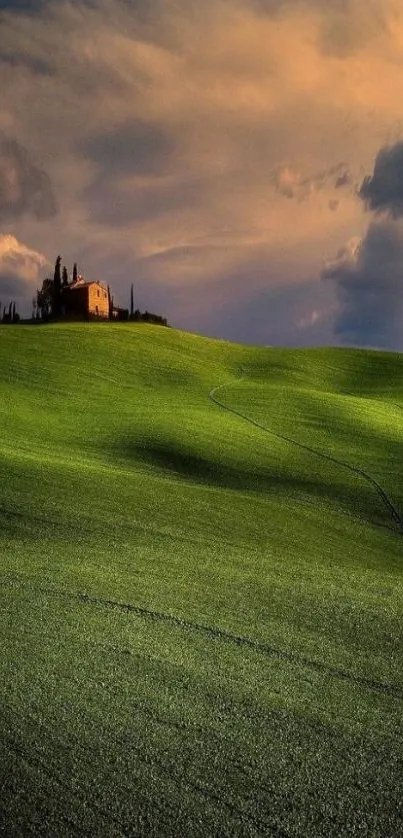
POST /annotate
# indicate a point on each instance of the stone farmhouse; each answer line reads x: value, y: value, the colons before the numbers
x: 86, y: 299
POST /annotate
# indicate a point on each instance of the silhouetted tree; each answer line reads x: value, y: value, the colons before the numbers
x: 75, y: 272
x: 57, y: 278
x: 110, y: 304
x: 44, y: 299
x: 65, y: 278
x: 131, y: 302
x: 9, y: 313
x: 57, y: 285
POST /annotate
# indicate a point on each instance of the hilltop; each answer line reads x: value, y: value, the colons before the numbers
x: 201, y: 551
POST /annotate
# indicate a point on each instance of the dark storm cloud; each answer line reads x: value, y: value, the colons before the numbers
x: 369, y: 283
x: 24, y: 188
x: 384, y: 189
x: 139, y: 148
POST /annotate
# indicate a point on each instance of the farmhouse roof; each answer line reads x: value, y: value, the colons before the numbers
x: 82, y: 283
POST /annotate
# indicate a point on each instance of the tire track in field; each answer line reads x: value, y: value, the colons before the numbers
x: 395, y: 514
x: 214, y: 633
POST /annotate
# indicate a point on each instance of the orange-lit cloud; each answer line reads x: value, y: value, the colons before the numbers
x: 20, y: 270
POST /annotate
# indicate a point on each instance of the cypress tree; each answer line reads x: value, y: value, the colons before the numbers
x: 13, y: 317
x: 131, y: 301
x: 65, y: 279
x: 110, y: 304
x: 57, y: 279
x: 57, y: 284
x: 75, y: 272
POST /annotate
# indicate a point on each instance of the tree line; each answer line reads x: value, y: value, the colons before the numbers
x: 9, y: 313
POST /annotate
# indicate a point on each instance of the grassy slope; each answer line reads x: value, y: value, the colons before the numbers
x: 201, y: 620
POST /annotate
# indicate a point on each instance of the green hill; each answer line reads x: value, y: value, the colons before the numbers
x: 201, y: 584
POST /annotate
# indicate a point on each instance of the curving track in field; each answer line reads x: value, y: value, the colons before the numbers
x: 395, y: 514
x: 211, y: 633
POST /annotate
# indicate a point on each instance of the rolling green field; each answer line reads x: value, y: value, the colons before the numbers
x: 201, y: 586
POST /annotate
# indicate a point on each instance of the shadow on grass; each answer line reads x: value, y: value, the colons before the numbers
x: 174, y: 459
x: 350, y: 495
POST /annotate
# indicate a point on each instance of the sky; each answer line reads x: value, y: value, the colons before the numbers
x: 239, y: 161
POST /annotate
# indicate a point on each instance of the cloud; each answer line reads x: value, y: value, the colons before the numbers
x: 292, y: 184
x: 21, y: 269
x: 368, y: 276
x: 117, y: 202
x: 345, y: 179
x: 310, y: 319
x: 172, y: 134
x: 353, y: 25
x: 368, y: 273
x: 24, y: 188
x: 19, y: 5
x: 287, y: 182
x: 383, y: 191
x: 136, y: 147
